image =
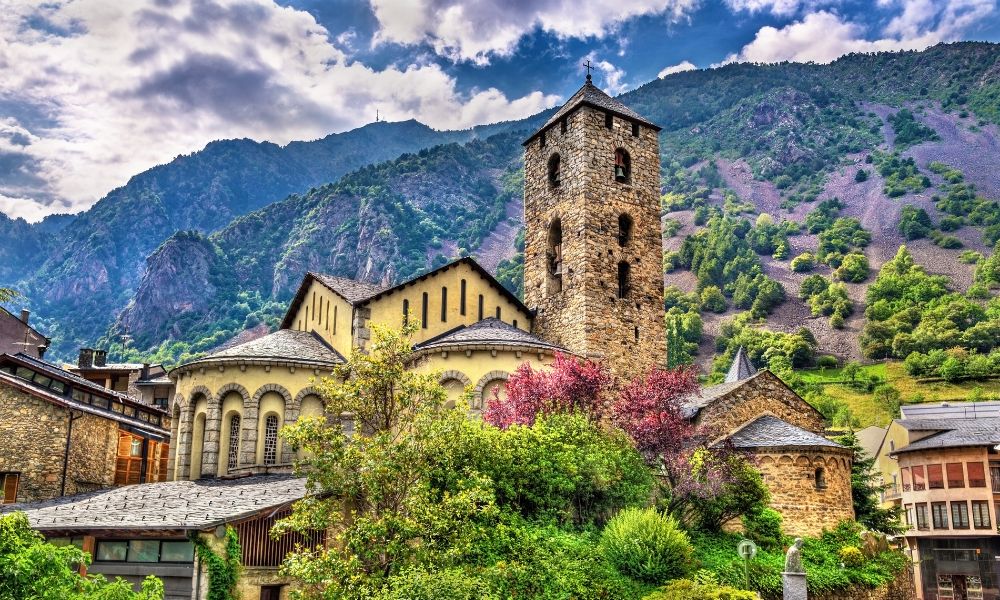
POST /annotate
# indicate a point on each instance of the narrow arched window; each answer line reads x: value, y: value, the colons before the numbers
x: 444, y: 304
x: 481, y: 307
x: 623, y: 165
x: 271, y: 439
x: 609, y: 120
x: 623, y: 284
x: 234, y: 443
x: 461, y: 298
x: 423, y: 312
x: 624, y: 229
x: 334, y: 320
x: 514, y: 322
x: 406, y: 312
x: 563, y: 125
x: 498, y: 312
x: 820, y: 479
x: 554, y: 171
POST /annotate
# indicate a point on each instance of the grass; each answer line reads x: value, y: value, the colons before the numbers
x: 870, y: 412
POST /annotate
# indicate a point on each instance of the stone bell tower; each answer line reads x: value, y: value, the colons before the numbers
x: 593, y: 257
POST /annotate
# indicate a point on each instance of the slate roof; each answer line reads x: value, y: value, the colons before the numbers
x: 741, y: 368
x: 488, y: 331
x: 301, y: 347
x: 769, y: 431
x: 60, y: 373
x: 950, y: 410
x: 161, y: 380
x: 353, y: 291
x: 186, y: 505
x: 591, y: 95
x: 952, y: 433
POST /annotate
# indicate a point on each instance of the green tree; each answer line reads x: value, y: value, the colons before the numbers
x: 33, y: 569
x: 866, y: 491
x: 713, y: 300
x: 854, y: 268
x: 803, y: 262
x: 914, y: 222
x: 376, y: 491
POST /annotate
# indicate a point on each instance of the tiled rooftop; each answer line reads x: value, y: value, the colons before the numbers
x: 768, y: 431
x: 282, y: 345
x: 954, y: 433
x: 186, y: 505
x: 351, y: 290
x: 594, y: 96
x: 487, y: 331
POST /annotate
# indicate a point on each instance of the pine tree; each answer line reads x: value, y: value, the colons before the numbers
x: 866, y: 491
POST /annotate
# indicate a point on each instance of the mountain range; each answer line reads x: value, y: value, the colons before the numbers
x: 211, y: 245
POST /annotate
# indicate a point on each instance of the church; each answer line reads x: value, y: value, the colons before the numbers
x: 593, y: 275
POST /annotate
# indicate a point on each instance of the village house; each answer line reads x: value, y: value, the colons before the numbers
x: 146, y: 383
x: 16, y: 335
x: 64, y: 435
x: 941, y: 463
x: 593, y: 289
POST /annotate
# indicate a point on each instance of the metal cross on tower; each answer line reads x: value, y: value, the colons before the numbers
x: 589, y: 67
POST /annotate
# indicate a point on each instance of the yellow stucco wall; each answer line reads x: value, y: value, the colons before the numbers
x: 484, y: 369
x: 895, y: 437
x: 328, y: 315
x: 388, y: 310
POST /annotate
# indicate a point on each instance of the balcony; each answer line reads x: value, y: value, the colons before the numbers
x: 892, y: 492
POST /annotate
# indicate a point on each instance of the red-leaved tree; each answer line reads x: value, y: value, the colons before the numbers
x: 650, y: 410
x: 569, y: 385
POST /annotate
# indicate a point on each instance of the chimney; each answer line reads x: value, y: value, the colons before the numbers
x: 145, y: 371
x: 100, y: 358
x: 25, y: 314
x: 86, y: 359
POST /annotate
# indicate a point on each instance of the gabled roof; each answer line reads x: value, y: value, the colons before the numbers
x: 696, y: 402
x: 741, y: 368
x: 358, y: 293
x: 66, y: 399
x: 284, y: 345
x: 768, y: 431
x: 490, y: 331
x: 4, y: 314
x: 174, y: 505
x: 591, y: 95
x: 953, y: 433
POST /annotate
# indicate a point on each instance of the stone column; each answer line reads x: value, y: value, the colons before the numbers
x: 210, y: 443
x: 248, y: 436
x: 291, y: 417
x: 184, y: 432
x: 794, y: 585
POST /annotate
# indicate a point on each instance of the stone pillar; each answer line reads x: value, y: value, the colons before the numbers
x: 248, y: 436
x: 291, y: 417
x: 210, y: 443
x: 794, y: 585
x: 185, y: 430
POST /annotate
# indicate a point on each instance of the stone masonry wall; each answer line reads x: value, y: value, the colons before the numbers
x: 805, y: 507
x: 586, y: 316
x: 762, y: 394
x: 34, y: 434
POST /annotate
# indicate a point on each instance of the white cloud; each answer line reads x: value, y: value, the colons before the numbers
x: 824, y: 36
x: 113, y: 88
x: 609, y: 77
x: 477, y: 30
x: 776, y: 7
x: 678, y: 68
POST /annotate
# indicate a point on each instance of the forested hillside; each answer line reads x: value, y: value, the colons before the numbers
x: 785, y: 189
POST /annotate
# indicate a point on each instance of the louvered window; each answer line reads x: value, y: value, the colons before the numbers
x: 234, y: 443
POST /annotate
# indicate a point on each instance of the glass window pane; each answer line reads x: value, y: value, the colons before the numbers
x: 143, y: 550
x: 112, y: 551
x: 25, y: 373
x: 99, y: 401
x: 58, y: 386
x: 42, y: 380
x: 177, y: 552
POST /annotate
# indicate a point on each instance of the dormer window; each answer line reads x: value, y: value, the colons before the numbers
x: 623, y: 166
x: 554, y: 171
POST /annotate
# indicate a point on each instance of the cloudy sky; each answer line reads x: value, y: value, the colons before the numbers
x: 95, y: 91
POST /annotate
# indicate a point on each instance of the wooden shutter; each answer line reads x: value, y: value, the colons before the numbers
x: 9, y: 487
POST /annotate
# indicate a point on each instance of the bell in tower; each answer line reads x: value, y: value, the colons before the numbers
x: 593, y: 266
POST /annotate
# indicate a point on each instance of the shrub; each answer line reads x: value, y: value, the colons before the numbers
x: 764, y: 527
x: 914, y: 222
x: 851, y: 556
x: 646, y: 545
x: 827, y: 362
x: 685, y: 589
x: 861, y: 176
x: 803, y: 262
x: 713, y: 300
x: 419, y: 584
x: 854, y: 268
